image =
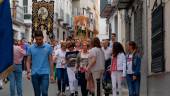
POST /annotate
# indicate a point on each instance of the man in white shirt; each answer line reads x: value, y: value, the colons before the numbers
x: 59, y: 59
x: 107, y: 50
x: 108, y: 53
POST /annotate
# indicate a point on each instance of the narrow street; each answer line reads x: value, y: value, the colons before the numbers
x: 28, y: 89
x: 117, y: 41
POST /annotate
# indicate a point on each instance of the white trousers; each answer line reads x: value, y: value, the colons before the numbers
x: 116, y: 77
x: 73, y: 82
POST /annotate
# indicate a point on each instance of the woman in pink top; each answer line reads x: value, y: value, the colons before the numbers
x: 15, y: 77
x: 118, y: 68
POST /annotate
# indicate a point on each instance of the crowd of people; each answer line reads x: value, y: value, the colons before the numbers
x: 73, y: 63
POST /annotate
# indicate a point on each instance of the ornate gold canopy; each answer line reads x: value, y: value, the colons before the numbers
x: 42, y: 17
x: 80, y: 27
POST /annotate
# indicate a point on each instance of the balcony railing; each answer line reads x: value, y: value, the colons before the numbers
x: 106, y: 8
x: 76, y: 12
x: 25, y: 9
x: 18, y: 13
x: 90, y: 21
x: 66, y: 20
x: 70, y: 23
x: 91, y: 25
x: 61, y: 15
x: 122, y: 4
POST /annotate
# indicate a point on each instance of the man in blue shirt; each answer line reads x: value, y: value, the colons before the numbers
x: 39, y: 65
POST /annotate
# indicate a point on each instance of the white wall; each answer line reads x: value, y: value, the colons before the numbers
x: 29, y: 21
x: 119, y: 27
x: 102, y: 29
x: 30, y: 6
x: 66, y: 5
x: 102, y: 25
x: 19, y: 29
x: 76, y: 4
x: 83, y: 3
x: 28, y: 34
x: 167, y: 35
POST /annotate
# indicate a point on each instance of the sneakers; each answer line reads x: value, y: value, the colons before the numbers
x: 6, y: 80
x: 1, y: 87
x: 67, y: 88
x: 76, y: 93
x: 58, y: 94
x: 63, y: 94
x: 24, y: 72
x: 72, y: 94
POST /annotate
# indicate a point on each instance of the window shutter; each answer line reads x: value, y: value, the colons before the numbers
x: 157, y: 40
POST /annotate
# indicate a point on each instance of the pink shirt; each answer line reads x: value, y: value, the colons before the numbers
x: 18, y: 54
x: 114, y: 64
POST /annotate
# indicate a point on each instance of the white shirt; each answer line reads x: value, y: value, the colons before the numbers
x: 129, y: 64
x: 100, y: 59
x: 107, y: 52
x: 121, y: 63
x: 58, y: 46
x: 84, y: 59
x: 60, y: 54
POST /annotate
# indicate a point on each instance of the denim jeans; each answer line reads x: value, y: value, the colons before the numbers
x: 40, y: 84
x: 61, y: 78
x: 107, y: 75
x: 15, y: 79
x: 133, y: 85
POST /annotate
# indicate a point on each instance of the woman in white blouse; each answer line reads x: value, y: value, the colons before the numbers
x: 118, y: 68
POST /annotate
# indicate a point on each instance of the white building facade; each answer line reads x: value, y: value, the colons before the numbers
x: 62, y: 19
x: 27, y: 4
x: 127, y: 18
x: 89, y: 9
x: 17, y: 13
x: 62, y: 24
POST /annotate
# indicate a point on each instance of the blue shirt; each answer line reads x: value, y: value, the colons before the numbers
x: 40, y: 58
x: 26, y: 47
